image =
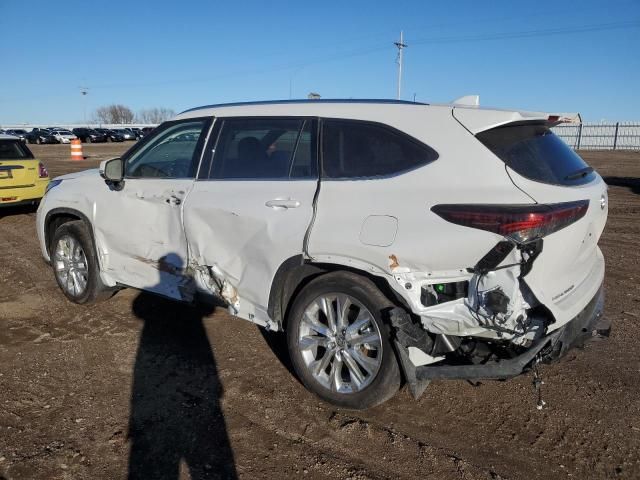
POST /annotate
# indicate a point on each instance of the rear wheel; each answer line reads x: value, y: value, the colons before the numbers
x: 75, y: 264
x: 339, y: 344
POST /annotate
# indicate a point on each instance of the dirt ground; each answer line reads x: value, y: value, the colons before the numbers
x: 144, y: 387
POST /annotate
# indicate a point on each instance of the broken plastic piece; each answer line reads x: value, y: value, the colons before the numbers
x: 537, y: 383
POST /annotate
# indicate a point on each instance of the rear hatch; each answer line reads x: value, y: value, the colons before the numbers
x: 570, y: 269
x: 17, y: 174
x: 18, y: 168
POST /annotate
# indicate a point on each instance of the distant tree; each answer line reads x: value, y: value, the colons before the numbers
x: 115, y: 113
x: 155, y: 115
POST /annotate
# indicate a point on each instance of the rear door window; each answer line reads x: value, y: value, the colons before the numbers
x: 265, y: 148
x: 535, y: 152
x: 357, y: 149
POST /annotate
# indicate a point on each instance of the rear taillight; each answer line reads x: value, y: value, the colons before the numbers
x: 42, y: 171
x: 522, y: 223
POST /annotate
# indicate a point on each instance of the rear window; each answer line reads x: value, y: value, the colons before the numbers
x: 533, y: 151
x: 357, y: 149
x: 14, y: 150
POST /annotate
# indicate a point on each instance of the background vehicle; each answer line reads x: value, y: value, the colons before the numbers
x: 62, y: 135
x: 126, y: 133
x: 89, y: 135
x: 110, y: 135
x: 40, y: 136
x: 17, y: 132
x: 136, y: 131
x: 23, y: 179
x: 470, y: 253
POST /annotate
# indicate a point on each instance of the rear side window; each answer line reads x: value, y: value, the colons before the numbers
x: 14, y: 150
x: 352, y: 149
x: 535, y: 152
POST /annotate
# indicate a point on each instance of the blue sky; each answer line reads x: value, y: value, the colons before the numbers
x: 178, y: 55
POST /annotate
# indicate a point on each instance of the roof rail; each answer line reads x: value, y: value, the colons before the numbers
x: 310, y: 101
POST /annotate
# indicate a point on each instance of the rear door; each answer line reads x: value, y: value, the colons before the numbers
x: 251, y: 207
x: 570, y: 268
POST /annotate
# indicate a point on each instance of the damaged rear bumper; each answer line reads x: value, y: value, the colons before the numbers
x: 589, y: 324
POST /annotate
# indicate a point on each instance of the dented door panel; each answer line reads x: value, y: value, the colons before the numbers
x: 141, y: 230
x: 237, y: 242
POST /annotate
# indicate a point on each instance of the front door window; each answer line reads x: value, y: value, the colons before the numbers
x: 171, y: 153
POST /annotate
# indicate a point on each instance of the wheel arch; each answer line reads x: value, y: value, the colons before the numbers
x: 296, y: 272
x: 59, y: 216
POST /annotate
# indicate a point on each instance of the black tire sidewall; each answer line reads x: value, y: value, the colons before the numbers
x: 388, y: 378
x: 79, y: 231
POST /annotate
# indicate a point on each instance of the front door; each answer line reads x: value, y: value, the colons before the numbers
x: 140, y: 225
x: 250, y: 210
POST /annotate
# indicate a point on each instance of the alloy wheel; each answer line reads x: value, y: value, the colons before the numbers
x: 70, y: 266
x: 340, y: 343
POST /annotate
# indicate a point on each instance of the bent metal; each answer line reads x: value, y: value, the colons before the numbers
x: 386, y: 239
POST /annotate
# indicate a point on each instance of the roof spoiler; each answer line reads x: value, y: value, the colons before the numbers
x: 467, y: 100
x: 557, y: 118
x: 477, y: 119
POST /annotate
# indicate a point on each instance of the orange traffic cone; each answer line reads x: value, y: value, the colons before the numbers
x: 76, y: 150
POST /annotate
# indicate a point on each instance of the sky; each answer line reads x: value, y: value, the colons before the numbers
x: 555, y: 56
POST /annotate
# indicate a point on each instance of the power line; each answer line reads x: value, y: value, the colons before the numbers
x: 529, y: 33
x: 381, y: 47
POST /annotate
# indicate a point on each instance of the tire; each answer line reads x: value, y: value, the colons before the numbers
x: 77, y: 233
x: 368, y: 386
x: 38, y: 141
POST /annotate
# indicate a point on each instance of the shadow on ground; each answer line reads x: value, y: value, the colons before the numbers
x: 277, y: 342
x: 175, y: 400
x: 631, y: 183
x: 6, y: 211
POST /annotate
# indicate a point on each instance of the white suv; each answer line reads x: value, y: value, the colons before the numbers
x: 390, y: 240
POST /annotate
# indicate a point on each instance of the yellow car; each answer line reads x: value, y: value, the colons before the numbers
x: 23, y: 179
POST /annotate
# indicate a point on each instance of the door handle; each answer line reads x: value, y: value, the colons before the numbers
x: 283, y: 203
x: 173, y: 200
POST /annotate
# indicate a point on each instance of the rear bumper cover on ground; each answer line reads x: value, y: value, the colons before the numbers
x: 587, y: 325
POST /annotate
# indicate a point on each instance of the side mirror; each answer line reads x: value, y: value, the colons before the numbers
x: 112, y: 170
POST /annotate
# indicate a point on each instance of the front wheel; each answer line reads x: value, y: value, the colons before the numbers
x: 75, y: 264
x: 339, y: 343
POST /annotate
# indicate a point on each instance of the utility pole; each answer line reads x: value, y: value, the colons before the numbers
x: 400, y: 45
x: 84, y: 91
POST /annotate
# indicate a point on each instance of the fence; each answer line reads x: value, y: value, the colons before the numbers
x: 600, y: 136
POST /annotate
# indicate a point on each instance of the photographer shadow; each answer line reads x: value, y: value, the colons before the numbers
x: 175, y: 414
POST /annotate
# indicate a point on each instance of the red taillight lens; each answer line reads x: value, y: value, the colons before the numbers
x: 522, y: 223
x: 42, y: 171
